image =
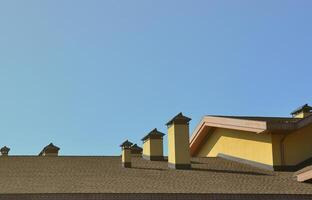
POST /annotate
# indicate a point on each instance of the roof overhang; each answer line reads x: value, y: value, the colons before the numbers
x: 209, y: 122
x: 265, y: 125
x: 304, y: 175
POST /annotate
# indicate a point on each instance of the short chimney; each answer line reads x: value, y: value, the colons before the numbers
x: 50, y: 150
x: 136, y: 150
x: 153, y: 145
x: 178, y: 142
x: 302, y: 111
x: 126, y: 154
x: 5, y: 151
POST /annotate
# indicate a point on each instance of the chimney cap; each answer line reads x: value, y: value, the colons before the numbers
x: 48, y: 148
x: 154, y: 134
x: 126, y: 144
x: 136, y: 147
x: 5, y: 150
x: 179, y: 119
x: 304, y: 108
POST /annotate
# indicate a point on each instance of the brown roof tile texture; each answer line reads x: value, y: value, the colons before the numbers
x: 78, y: 174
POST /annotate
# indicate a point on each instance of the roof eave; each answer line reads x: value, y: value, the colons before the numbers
x: 224, y: 122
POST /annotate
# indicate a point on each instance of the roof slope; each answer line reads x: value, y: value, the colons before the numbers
x: 66, y: 174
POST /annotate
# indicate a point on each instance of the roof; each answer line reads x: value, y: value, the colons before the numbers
x: 100, y: 174
x: 304, y: 174
x: 49, y: 147
x: 257, y: 125
x: 153, y: 134
x: 179, y: 119
x: 136, y: 147
x: 126, y: 144
x: 261, y: 118
x: 305, y: 108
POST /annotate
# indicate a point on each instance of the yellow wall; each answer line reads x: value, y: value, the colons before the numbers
x: 146, y: 147
x: 239, y: 144
x: 178, y: 144
x: 153, y: 147
x: 126, y: 155
x: 276, y: 146
x: 298, y: 146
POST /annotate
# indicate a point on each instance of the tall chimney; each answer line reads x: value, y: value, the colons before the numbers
x: 5, y: 151
x: 153, y: 145
x: 50, y: 150
x: 126, y: 154
x: 178, y: 142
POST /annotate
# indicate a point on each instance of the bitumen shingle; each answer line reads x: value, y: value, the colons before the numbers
x: 104, y: 174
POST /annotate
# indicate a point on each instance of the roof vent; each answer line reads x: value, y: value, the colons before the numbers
x: 5, y: 151
x: 302, y: 111
x: 50, y: 150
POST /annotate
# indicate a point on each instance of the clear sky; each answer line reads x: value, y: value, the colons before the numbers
x: 87, y: 75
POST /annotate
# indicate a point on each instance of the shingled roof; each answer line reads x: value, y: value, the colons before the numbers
x: 105, y: 175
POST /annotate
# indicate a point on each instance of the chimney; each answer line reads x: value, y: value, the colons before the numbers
x: 302, y: 111
x: 153, y: 145
x: 178, y: 142
x: 136, y: 150
x: 126, y: 154
x: 50, y: 150
x: 5, y: 151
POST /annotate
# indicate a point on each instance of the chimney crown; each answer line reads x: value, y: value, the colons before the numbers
x: 179, y: 119
x: 135, y: 149
x: 4, y: 151
x: 302, y: 111
x: 126, y: 144
x: 154, y: 134
x: 49, y: 150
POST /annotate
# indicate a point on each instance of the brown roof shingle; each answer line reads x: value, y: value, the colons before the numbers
x: 88, y: 174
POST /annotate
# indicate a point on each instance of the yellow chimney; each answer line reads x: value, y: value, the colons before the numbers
x: 178, y: 142
x: 50, y: 150
x: 302, y: 111
x: 5, y: 151
x: 126, y: 154
x: 153, y: 145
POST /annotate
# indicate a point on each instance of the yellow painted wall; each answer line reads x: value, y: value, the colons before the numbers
x: 298, y: 146
x: 146, y: 147
x: 302, y: 114
x: 153, y: 147
x: 178, y: 144
x: 126, y: 155
x: 240, y: 144
x: 276, y: 146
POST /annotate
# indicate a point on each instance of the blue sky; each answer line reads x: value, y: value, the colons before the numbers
x: 86, y: 75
